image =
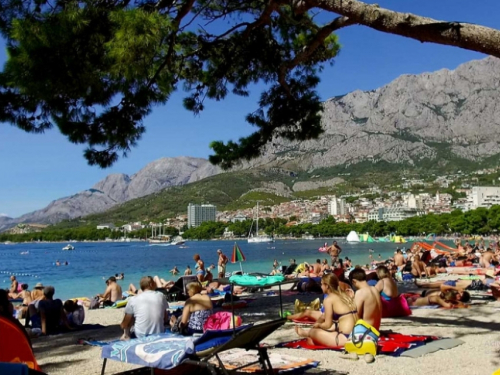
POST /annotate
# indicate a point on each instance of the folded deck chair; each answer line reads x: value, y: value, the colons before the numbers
x: 248, y: 338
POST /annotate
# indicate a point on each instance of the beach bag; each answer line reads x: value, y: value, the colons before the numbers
x: 303, y: 306
x: 363, y: 339
x: 94, y: 303
x: 221, y: 320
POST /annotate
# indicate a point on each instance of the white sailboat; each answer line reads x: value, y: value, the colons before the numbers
x: 68, y: 247
x: 160, y: 239
x: 258, y: 238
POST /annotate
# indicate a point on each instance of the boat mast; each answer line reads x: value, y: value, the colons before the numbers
x: 257, y: 226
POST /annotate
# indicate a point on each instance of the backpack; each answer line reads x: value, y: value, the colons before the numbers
x: 221, y: 320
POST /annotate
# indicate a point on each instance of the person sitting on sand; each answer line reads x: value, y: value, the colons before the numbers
x: 449, y: 299
x: 418, y: 268
x: 386, y: 285
x: 48, y: 314
x: 325, y: 267
x: 188, y: 271
x: 112, y: 293
x: 75, y: 313
x: 367, y: 298
x: 195, y: 312
x: 14, y: 287
x: 200, y: 268
x: 25, y: 294
x: 146, y: 312
x: 37, y: 292
x: 335, y: 325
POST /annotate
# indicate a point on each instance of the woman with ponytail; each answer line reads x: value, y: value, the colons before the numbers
x: 335, y: 325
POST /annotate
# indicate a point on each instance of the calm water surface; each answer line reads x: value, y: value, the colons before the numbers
x: 91, y: 263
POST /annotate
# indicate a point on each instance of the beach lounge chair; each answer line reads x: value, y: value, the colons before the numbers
x: 210, y: 345
x: 178, y: 291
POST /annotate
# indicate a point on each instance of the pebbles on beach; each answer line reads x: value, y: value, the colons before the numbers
x: 478, y: 326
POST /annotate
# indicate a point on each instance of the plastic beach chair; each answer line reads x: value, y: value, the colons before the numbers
x: 248, y: 338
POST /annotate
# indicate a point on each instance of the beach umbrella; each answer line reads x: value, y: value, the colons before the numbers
x: 238, y: 255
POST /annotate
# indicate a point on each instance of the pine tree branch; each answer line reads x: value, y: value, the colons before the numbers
x: 458, y: 34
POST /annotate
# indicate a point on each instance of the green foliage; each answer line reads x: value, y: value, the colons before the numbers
x: 95, y: 69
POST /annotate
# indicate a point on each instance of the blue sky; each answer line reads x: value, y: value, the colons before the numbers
x: 36, y: 169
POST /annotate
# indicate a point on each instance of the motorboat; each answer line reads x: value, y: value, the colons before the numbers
x: 68, y: 247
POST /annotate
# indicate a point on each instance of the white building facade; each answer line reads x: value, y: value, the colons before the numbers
x: 483, y: 196
x: 336, y: 207
x: 199, y: 213
x: 393, y: 213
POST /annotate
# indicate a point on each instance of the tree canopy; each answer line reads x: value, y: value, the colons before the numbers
x: 96, y: 68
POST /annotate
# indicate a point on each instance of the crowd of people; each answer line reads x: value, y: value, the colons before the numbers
x: 350, y: 292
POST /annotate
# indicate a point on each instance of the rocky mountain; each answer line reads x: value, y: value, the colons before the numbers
x: 432, y: 119
x: 449, y: 114
x: 119, y: 188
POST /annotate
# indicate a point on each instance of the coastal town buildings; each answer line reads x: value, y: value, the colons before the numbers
x: 199, y: 213
x: 483, y: 196
x: 336, y: 206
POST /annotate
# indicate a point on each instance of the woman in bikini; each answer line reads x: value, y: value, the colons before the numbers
x: 339, y: 317
x: 195, y: 312
x: 449, y: 299
x: 386, y: 285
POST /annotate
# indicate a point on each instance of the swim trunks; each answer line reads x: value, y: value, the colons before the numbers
x: 452, y: 283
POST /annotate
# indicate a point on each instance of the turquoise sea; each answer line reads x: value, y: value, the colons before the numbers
x: 91, y: 263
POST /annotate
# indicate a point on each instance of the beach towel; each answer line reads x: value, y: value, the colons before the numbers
x: 281, y: 363
x: 162, y: 351
x: 392, y: 344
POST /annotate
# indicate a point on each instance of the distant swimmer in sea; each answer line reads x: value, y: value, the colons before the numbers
x: 58, y: 263
x: 66, y: 263
x: 120, y: 276
x: 188, y: 271
x: 174, y: 271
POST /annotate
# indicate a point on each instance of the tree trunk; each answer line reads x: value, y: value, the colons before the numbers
x: 459, y: 34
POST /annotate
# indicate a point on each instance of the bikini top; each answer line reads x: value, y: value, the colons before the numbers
x: 338, y: 316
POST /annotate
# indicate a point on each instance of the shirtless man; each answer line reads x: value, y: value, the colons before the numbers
x: 25, y: 294
x: 399, y: 259
x: 188, y: 271
x: 14, y: 285
x: 316, y: 269
x: 367, y: 299
x: 334, y: 252
x: 486, y: 258
x: 221, y: 264
x: 200, y: 268
x: 112, y: 294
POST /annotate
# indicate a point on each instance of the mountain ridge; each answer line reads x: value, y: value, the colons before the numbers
x: 438, y: 120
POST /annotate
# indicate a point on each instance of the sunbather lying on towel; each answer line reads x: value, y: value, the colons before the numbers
x: 216, y: 287
x: 340, y: 315
x: 449, y: 299
x: 483, y: 283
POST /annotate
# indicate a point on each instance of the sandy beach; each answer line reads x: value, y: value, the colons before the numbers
x: 478, y: 327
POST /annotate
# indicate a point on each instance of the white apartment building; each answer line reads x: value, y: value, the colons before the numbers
x: 199, y: 213
x: 336, y: 206
x: 483, y: 196
x: 393, y: 213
